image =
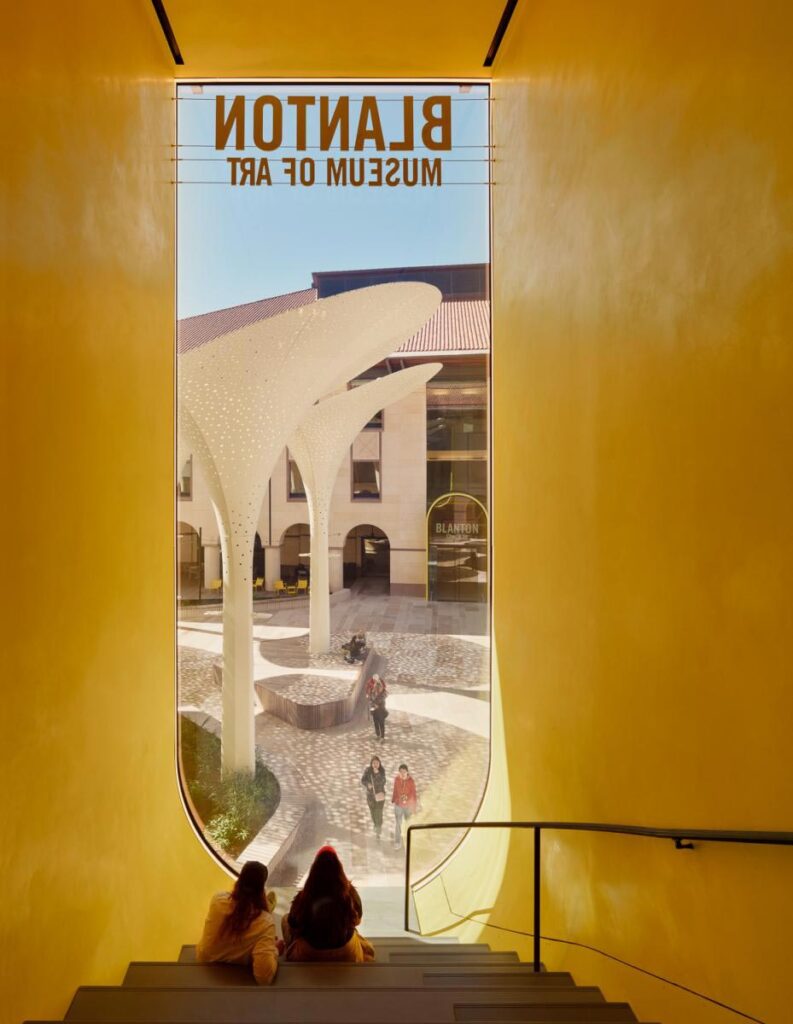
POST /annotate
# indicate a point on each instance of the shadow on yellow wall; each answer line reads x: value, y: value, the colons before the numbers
x: 642, y: 338
x: 99, y: 862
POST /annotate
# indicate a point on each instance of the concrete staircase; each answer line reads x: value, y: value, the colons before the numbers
x: 412, y: 981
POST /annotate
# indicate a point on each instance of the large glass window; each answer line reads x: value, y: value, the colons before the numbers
x: 445, y: 476
x: 365, y: 480
x: 390, y: 541
x: 457, y: 432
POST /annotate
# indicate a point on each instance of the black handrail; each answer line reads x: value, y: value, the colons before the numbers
x: 682, y: 838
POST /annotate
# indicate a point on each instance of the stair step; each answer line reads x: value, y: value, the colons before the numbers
x: 249, y: 1005
x: 557, y: 1014
x: 469, y: 959
x: 143, y: 974
x: 395, y: 944
x: 510, y: 976
x: 436, y: 945
x: 605, y: 1013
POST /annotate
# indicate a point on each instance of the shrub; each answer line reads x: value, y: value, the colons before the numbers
x: 233, y: 808
x: 227, y: 831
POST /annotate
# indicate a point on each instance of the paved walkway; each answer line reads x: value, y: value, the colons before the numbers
x: 439, y: 721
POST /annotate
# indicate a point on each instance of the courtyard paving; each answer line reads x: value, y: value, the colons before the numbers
x: 437, y: 670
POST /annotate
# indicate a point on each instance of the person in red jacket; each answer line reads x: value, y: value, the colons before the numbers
x: 404, y: 800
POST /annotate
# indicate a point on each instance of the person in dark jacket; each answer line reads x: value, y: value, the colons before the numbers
x: 373, y: 781
x: 355, y: 648
x: 377, y: 694
x: 322, y: 921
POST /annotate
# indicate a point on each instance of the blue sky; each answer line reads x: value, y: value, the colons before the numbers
x: 238, y: 244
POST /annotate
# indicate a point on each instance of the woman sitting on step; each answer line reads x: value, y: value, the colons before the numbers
x: 321, y: 924
x: 240, y: 929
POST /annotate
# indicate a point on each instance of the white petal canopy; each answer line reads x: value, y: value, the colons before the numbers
x: 241, y: 397
x: 319, y: 445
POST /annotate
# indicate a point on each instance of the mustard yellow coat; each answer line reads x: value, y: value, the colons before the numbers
x: 254, y: 947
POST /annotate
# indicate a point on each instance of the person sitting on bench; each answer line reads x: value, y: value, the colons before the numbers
x: 355, y: 648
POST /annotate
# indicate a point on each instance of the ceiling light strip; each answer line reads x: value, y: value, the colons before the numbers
x: 167, y: 31
x: 509, y: 10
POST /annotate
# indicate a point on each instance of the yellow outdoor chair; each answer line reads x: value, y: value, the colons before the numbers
x: 302, y: 585
x: 280, y: 587
x: 291, y: 589
x: 258, y: 583
x: 216, y: 585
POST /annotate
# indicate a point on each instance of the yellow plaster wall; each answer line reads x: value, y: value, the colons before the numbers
x: 345, y: 38
x: 643, y: 555
x: 98, y: 862
x: 644, y: 523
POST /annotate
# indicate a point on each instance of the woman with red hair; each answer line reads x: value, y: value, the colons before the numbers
x: 322, y: 921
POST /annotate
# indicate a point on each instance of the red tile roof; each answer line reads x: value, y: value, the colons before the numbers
x: 197, y: 330
x: 457, y: 328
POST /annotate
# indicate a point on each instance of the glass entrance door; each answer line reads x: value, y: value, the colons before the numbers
x: 457, y: 565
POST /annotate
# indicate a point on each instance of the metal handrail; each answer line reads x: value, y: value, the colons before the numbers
x: 682, y: 838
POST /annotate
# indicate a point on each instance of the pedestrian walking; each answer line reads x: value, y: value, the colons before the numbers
x: 373, y: 781
x: 377, y: 694
x: 405, y: 801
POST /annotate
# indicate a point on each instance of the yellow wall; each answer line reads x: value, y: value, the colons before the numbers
x: 643, y: 561
x: 643, y: 526
x: 99, y: 864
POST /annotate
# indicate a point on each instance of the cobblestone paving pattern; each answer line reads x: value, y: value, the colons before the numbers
x: 448, y: 763
x: 197, y: 687
x: 308, y: 689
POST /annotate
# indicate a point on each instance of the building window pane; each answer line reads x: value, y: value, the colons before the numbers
x: 465, y: 476
x: 365, y: 480
x: 456, y: 430
x: 295, y: 489
x: 184, y: 485
x: 376, y: 422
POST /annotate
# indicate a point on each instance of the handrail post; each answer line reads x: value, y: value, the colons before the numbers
x: 407, y: 880
x: 537, y: 887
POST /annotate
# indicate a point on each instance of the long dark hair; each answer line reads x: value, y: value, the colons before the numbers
x: 327, y: 894
x: 326, y: 878
x: 248, y: 897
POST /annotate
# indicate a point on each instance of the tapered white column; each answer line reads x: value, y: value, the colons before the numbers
x: 241, y: 396
x: 238, y: 715
x: 336, y: 569
x: 318, y: 445
x: 272, y: 565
